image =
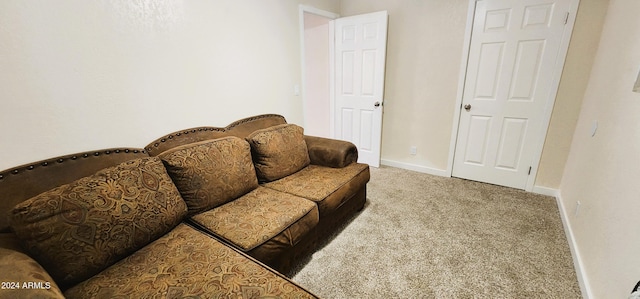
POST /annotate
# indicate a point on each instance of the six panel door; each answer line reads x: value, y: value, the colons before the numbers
x: 512, y: 56
x: 360, y: 50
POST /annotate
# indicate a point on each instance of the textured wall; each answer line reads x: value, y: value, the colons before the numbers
x: 81, y: 75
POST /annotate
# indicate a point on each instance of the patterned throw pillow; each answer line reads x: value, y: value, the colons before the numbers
x: 211, y: 173
x: 78, y: 229
x: 278, y: 151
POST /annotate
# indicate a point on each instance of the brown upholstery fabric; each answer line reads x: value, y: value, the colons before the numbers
x: 18, y: 270
x: 243, y: 127
x: 183, y: 137
x: 258, y: 216
x: 328, y: 187
x: 79, y: 229
x: 278, y: 151
x: 193, y: 266
x: 211, y: 173
x: 26, y: 181
x: 240, y: 128
x: 331, y: 152
x: 11, y: 241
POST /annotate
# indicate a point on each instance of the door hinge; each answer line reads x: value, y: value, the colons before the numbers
x: 529, y: 171
x: 566, y: 18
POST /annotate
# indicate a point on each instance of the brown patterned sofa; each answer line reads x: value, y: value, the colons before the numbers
x: 203, y: 212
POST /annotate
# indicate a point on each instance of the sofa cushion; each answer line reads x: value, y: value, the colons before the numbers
x: 259, y: 216
x: 278, y: 151
x: 15, y: 282
x: 211, y: 173
x: 328, y: 187
x: 79, y: 229
x: 186, y: 263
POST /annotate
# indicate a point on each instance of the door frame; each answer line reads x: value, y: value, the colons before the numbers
x: 302, y: 9
x: 546, y: 117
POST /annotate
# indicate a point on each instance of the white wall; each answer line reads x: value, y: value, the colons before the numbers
x: 603, y: 171
x: 577, y: 69
x: 81, y: 75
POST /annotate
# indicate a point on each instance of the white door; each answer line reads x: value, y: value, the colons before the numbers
x: 510, y: 86
x: 360, y: 52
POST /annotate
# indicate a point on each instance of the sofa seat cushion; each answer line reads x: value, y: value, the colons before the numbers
x: 185, y: 263
x: 76, y: 230
x: 20, y: 272
x: 212, y: 172
x: 257, y: 218
x: 328, y: 187
x: 278, y: 151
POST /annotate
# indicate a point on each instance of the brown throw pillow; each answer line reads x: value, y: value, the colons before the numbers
x: 211, y: 173
x: 278, y: 151
x: 78, y: 229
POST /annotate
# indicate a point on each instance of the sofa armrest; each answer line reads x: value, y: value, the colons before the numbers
x: 331, y: 152
x: 21, y: 275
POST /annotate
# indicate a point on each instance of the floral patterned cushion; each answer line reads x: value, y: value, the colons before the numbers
x: 186, y: 263
x: 328, y: 187
x: 211, y: 173
x: 255, y: 218
x: 78, y: 229
x: 278, y: 151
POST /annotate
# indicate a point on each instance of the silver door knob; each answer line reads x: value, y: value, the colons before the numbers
x: 376, y: 104
x: 467, y: 107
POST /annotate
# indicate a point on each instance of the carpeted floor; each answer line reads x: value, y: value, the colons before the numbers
x: 424, y: 236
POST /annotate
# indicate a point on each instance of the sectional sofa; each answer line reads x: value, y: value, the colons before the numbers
x: 206, y: 212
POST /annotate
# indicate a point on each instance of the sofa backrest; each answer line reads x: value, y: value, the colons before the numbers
x: 23, y: 182
x: 241, y: 128
x: 244, y: 127
x: 183, y: 137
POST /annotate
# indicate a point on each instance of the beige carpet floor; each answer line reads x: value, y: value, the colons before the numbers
x: 424, y: 236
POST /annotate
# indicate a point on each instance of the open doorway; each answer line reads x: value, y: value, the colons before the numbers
x: 343, y: 63
x: 316, y: 42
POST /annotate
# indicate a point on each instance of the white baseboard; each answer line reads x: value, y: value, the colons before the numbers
x: 585, y: 288
x: 414, y: 167
x: 546, y: 191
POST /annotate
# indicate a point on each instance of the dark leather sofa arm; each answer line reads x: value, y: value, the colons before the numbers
x: 331, y: 152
